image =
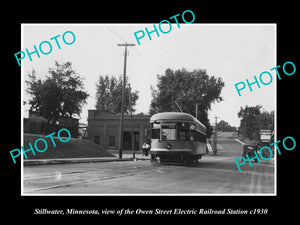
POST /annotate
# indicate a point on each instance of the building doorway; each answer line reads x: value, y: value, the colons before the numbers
x: 127, y: 140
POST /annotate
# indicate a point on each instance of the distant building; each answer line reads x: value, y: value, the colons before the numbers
x: 104, y: 129
x: 36, y: 124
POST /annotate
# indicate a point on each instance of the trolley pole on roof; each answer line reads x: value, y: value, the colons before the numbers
x: 178, y: 107
x: 123, y: 98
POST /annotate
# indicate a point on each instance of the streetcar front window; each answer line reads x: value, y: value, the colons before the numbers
x: 183, y: 131
x: 168, y: 131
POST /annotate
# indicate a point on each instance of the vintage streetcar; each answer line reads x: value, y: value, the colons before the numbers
x: 177, y: 137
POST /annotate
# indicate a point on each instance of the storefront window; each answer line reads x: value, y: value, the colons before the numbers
x: 97, y: 139
x: 112, y: 141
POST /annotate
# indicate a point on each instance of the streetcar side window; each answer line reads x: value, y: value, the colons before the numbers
x: 192, y: 128
x: 155, y: 133
x: 199, y: 137
x: 183, y: 131
x: 192, y: 135
x: 168, y: 132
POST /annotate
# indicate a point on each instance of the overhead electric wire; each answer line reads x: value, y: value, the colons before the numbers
x: 134, y: 49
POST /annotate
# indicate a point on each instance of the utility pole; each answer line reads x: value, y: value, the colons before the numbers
x: 123, y: 99
x: 215, y: 142
x: 196, y: 110
x: 132, y: 133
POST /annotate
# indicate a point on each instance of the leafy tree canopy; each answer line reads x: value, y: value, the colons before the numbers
x: 61, y: 94
x: 109, y: 95
x: 253, y: 120
x: 187, y: 89
x: 225, y: 126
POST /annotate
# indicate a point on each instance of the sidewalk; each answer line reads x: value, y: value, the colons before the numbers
x: 125, y: 157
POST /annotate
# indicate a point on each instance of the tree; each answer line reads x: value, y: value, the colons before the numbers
x: 249, y: 125
x: 253, y: 120
x: 104, y: 89
x: 60, y: 95
x: 187, y: 89
x: 109, y: 94
x: 224, y: 126
x: 266, y: 120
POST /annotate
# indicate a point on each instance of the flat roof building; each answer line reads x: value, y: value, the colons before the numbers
x: 104, y: 129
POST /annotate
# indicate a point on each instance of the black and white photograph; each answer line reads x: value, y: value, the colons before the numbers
x: 129, y: 109
x: 149, y: 111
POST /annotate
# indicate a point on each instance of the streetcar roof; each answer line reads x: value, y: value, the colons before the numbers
x: 175, y: 116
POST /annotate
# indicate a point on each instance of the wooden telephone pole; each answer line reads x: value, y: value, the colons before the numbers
x: 215, y: 141
x: 123, y: 99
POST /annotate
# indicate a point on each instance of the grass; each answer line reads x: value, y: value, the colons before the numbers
x: 74, y: 148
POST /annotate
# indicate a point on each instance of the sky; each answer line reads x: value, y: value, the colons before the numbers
x: 234, y: 52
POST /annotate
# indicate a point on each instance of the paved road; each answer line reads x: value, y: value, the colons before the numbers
x: 213, y: 175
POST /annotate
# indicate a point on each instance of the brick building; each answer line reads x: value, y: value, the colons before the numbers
x: 104, y: 129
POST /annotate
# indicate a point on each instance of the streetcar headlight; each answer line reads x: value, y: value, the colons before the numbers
x: 168, y: 146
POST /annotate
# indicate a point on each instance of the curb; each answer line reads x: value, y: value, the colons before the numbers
x: 242, y: 143
x: 33, y: 162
